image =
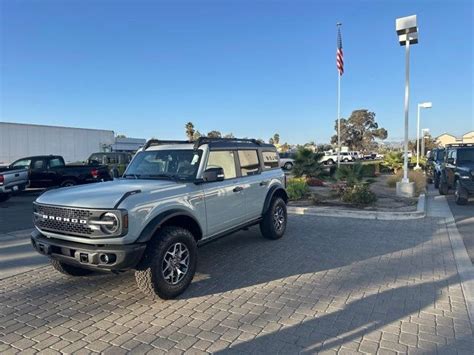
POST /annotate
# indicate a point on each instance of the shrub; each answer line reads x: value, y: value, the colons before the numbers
x: 314, y: 182
x: 393, y: 161
x: 307, y: 163
x: 297, y: 189
x: 351, y: 175
x: 416, y: 176
x: 359, y: 194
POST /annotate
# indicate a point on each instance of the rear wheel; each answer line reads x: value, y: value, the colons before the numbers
x: 330, y: 162
x: 68, y: 183
x: 436, y: 180
x: 460, y: 194
x: 69, y: 270
x: 274, y: 221
x: 288, y: 166
x: 169, y: 263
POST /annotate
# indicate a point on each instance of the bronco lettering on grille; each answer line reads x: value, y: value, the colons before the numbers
x: 64, y: 219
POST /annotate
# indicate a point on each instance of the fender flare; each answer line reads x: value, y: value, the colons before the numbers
x: 275, y: 189
x: 149, y: 231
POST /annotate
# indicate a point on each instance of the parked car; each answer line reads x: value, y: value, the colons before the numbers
x: 51, y: 170
x: 356, y: 155
x: 12, y: 180
x: 457, y: 172
x: 287, y: 161
x: 433, y: 165
x: 330, y: 158
x: 173, y: 196
x: 117, y: 162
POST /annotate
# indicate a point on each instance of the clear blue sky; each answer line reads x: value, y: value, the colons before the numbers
x: 145, y: 68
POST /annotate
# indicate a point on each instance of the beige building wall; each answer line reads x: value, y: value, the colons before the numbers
x: 447, y: 138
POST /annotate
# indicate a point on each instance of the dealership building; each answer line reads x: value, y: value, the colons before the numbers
x: 19, y: 140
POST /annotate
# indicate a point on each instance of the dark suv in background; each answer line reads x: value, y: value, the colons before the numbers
x: 457, y: 172
x: 433, y: 166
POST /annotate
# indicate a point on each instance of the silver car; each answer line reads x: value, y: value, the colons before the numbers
x: 173, y: 196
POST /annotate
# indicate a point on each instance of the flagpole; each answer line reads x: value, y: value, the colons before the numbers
x: 338, y: 25
x: 338, y: 119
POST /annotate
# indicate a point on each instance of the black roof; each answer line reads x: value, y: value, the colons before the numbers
x: 218, y: 143
x: 460, y: 145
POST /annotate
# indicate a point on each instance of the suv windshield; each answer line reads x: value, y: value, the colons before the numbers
x: 165, y: 164
x: 465, y: 155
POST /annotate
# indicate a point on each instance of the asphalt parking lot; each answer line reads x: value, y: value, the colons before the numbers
x: 16, y: 213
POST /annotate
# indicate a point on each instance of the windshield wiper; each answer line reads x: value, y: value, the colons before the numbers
x: 166, y: 176
x: 135, y: 176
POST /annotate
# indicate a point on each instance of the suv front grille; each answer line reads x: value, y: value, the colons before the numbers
x: 73, y: 217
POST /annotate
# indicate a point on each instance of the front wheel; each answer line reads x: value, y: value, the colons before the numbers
x: 330, y: 162
x: 288, y: 166
x: 274, y: 221
x: 460, y: 194
x: 169, y: 263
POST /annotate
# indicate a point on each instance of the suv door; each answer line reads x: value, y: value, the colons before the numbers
x: 225, y: 207
x: 254, y: 183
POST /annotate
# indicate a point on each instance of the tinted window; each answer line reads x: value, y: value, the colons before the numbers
x: 270, y: 160
x: 38, y: 164
x: 249, y: 164
x: 465, y: 155
x: 24, y: 163
x: 55, y: 162
x: 440, y: 155
x: 225, y: 160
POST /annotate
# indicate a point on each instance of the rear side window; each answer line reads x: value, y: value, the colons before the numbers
x: 249, y: 164
x: 55, y: 162
x: 270, y: 160
x: 225, y: 160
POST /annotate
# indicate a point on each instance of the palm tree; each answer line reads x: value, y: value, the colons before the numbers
x: 190, y: 131
x: 307, y: 163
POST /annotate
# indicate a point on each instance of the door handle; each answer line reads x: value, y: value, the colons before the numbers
x: 237, y: 189
x: 264, y: 183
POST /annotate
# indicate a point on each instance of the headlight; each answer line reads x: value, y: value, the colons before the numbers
x: 110, y: 223
x: 464, y: 177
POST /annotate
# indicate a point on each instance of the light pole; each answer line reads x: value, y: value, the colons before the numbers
x: 420, y: 106
x: 407, y: 32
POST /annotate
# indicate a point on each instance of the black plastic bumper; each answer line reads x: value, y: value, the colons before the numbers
x: 103, y: 257
x: 468, y: 185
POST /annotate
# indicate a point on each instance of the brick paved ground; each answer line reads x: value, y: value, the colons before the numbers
x: 330, y: 285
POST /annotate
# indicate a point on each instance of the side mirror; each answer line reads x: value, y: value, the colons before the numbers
x: 213, y: 174
x: 450, y: 161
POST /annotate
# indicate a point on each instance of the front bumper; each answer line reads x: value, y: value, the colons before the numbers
x: 468, y: 185
x: 103, y: 257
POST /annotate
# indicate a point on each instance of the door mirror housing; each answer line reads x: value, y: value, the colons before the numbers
x: 213, y: 174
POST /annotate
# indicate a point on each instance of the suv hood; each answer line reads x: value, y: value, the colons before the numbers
x: 102, y: 194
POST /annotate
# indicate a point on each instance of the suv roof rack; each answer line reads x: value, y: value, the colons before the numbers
x: 201, y: 141
x: 206, y: 140
x: 459, y: 145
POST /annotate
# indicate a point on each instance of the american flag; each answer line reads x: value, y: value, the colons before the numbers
x: 339, y: 53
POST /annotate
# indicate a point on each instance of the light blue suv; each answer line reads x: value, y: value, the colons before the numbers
x: 174, y: 196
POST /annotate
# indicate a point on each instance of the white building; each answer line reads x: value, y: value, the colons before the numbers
x: 19, y: 140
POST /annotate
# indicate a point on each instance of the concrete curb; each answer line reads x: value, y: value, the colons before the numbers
x: 385, y: 216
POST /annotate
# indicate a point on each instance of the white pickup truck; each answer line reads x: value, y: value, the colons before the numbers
x: 12, y: 181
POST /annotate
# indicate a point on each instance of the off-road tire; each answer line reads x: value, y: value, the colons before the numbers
x: 4, y: 197
x: 149, y: 275
x: 288, y: 166
x: 69, y: 270
x: 443, y: 187
x: 436, y: 181
x: 460, y: 194
x: 268, y: 226
x: 68, y: 183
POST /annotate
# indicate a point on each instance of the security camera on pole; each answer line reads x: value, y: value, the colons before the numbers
x: 407, y: 32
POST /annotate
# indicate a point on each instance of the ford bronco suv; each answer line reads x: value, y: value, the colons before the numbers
x: 433, y: 166
x: 174, y: 196
x: 457, y: 172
